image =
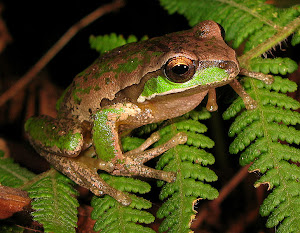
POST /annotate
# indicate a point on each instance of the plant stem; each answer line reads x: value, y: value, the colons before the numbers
x: 269, y: 43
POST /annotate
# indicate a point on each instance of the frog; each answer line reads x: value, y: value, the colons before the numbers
x: 130, y: 86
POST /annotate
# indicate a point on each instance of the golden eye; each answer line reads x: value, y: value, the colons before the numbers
x: 179, y: 69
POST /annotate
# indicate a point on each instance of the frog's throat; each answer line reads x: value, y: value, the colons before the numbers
x: 159, y: 85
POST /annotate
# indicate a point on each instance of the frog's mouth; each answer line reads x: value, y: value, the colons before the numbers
x: 210, y: 74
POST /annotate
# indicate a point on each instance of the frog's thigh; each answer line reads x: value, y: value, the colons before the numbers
x: 57, y: 136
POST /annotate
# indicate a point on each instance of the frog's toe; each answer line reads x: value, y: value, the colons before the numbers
x: 123, y: 198
x: 144, y: 171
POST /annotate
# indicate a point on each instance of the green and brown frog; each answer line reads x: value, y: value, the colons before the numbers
x: 127, y: 87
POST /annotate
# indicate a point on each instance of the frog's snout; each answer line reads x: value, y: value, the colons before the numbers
x: 231, y: 67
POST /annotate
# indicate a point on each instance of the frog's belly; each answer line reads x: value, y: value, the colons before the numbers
x: 162, y: 109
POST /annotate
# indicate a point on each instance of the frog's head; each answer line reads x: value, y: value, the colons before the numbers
x: 197, y: 58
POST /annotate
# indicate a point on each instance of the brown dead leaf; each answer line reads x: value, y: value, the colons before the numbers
x: 12, y: 200
x: 85, y: 223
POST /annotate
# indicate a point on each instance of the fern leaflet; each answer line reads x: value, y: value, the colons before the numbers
x: 258, y: 133
x: 191, y: 176
x: 251, y: 20
x: 11, y: 174
x: 275, y: 66
x: 105, y: 43
x: 54, y: 202
x: 111, y: 216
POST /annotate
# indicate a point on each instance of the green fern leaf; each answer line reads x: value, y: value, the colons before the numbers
x: 127, y: 184
x: 105, y: 43
x: 262, y: 92
x: 258, y: 148
x: 130, y: 143
x: 279, y: 85
x: 288, y: 203
x: 275, y: 65
x: 258, y: 132
x: 11, y: 174
x: 250, y: 21
x: 187, y: 162
x: 54, y: 202
x: 283, y: 171
x: 188, y: 125
x: 111, y: 216
x: 296, y: 38
x: 187, y: 153
x: 201, y: 114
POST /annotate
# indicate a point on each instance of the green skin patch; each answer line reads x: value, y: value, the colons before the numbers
x: 161, y: 85
x: 104, y: 133
x: 47, y: 134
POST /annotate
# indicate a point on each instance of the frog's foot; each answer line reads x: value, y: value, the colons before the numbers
x: 248, y: 101
x: 133, y: 164
x: 81, y: 172
x: 266, y: 78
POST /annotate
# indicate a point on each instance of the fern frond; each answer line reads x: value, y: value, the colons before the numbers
x: 111, y: 216
x: 191, y: 176
x: 54, y: 202
x: 105, y: 43
x: 11, y: 174
x: 250, y: 21
x: 188, y: 125
x: 279, y: 85
x: 263, y: 93
x: 202, y: 114
x: 296, y: 38
x: 275, y: 65
x: 258, y: 132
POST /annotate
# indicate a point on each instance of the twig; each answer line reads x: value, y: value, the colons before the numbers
x: 31, y: 73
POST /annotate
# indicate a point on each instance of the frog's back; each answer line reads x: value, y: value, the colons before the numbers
x: 110, y: 73
x: 127, y: 65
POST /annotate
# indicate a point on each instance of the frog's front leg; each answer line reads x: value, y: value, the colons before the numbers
x: 131, y: 163
x: 136, y: 158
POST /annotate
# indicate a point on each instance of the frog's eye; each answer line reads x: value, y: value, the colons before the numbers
x: 179, y: 69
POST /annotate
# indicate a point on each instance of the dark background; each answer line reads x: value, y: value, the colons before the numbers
x: 36, y: 25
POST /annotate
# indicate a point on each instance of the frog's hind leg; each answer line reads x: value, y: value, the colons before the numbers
x: 57, y: 136
x: 82, y: 174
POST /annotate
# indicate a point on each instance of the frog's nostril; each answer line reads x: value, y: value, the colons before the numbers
x: 223, y: 65
x: 229, y: 66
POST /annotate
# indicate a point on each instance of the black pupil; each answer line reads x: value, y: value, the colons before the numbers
x: 180, y: 69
